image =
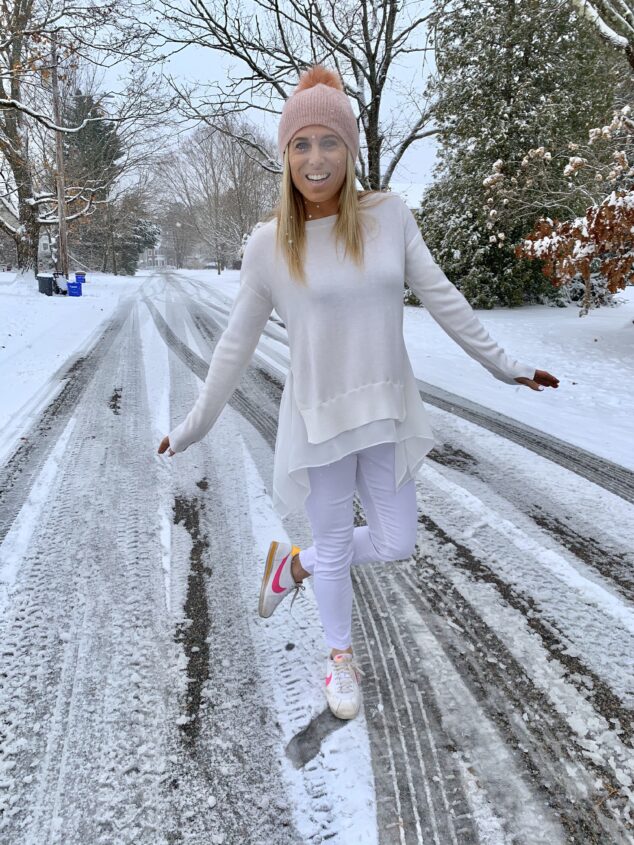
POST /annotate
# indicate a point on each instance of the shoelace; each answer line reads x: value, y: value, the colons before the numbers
x: 296, y: 588
x: 343, y: 674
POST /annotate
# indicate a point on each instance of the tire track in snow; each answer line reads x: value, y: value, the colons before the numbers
x: 20, y: 470
x: 544, y: 504
x: 556, y: 762
x: 227, y: 753
x: 606, y: 474
x: 265, y: 423
x: 215, y: 302
x: 408, y: 768
x: 424, y: 789
x: 579, y: 829
x: 86, y: 660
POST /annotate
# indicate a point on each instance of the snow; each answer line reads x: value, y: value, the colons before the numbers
x: 40, y: 334
x: 587, y: 610
x: 15, y: 543
x: 344, y: 772
x: 157, y: 386
x: 592, y: 357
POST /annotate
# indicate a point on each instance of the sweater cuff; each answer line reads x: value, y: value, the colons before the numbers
x: 518, y: 371
x: 178, y: 442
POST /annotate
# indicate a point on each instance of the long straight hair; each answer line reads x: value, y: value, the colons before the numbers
x: 291, y: 219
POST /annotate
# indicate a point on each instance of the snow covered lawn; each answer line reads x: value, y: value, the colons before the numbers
x: 38, y: 335
x: 593, y: 407
x: 592, y: 356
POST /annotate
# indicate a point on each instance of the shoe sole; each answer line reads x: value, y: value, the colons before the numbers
x: 268, y: 568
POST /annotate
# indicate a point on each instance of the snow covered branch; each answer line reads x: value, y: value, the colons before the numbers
x: 274, y: 40
x: 613, y: 20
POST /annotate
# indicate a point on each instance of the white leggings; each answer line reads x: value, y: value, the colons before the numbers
x: 337, y: 545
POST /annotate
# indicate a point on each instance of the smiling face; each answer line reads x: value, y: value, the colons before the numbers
x: 317, y: 160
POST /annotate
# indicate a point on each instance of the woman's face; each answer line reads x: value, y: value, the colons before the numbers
x: 317, y: 159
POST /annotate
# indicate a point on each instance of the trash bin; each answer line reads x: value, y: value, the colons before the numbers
x: 59, y: 283
x: 45, y: 283
x: 80, y: 277
x: 74, y: 288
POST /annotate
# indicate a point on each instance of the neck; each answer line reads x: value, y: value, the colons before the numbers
x: 315, y: 210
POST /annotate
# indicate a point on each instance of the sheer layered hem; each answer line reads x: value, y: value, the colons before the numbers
x: 294, y: 454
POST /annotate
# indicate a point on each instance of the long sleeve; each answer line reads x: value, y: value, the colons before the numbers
x: 451, y: 310
x: 249, y: 314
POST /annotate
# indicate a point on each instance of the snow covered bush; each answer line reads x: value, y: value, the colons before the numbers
x: 505, y: 85
x: 597, y: 249
x: 593, y: 250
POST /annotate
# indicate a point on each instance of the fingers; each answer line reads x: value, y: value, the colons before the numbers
x: 542, y: 379
x: 546, y: 379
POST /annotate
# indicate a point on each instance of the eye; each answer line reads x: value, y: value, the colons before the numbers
x: 301, y: 146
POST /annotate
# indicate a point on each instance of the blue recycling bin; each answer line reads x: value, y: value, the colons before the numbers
x: 74, y: 288
x: 80, y: 277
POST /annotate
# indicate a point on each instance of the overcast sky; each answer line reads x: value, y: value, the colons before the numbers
x: 206, y: 65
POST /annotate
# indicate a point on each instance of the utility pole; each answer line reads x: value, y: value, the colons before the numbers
x: 62, y: 246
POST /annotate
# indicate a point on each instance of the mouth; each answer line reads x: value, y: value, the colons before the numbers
x: 317, y: 178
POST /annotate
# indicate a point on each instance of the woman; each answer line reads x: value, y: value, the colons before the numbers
x: 332, y: 263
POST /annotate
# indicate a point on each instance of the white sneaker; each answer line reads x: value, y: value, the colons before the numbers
x: 278, y: 580
x: 342, y: 686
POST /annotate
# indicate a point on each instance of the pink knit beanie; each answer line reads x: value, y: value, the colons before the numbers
x: 319, y: 99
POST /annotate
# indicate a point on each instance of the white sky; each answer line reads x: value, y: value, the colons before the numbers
x: 205, y: 65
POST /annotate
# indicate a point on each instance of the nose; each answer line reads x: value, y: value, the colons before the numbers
x: 316, y: 154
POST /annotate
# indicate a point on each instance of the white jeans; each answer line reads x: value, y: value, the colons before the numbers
x: 337, y: 545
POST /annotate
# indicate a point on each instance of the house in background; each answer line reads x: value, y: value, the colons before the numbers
x: 153, y: 257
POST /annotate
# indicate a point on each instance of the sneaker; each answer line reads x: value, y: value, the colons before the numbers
x: 342, y: 686
x: 278, y: 580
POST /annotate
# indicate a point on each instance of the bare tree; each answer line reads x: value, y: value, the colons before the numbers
x: 614, y: 20
x: 220, y: 188
x: 85, y: 31
x: 367, y: 41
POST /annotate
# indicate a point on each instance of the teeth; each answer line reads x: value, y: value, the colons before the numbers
x: 317, y: 177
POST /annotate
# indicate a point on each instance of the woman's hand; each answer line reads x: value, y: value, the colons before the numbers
x: 165, y: 442
x: 542, y: 378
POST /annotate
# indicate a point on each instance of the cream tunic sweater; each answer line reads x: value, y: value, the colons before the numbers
x: 350, y: 383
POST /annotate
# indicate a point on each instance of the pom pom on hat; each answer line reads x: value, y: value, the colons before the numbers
x: 319, y: 99
x: 318, y: 75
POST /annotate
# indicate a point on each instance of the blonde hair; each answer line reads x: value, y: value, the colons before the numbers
x: 291, y: 219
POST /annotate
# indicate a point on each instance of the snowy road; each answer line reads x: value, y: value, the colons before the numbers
x: 137, y: 702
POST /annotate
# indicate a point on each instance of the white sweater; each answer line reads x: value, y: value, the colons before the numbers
x: 349, y: 368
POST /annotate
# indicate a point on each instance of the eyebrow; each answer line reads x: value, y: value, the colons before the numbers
x: 305, y: 138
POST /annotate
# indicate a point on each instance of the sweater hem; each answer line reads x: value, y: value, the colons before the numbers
x: 381, y: 400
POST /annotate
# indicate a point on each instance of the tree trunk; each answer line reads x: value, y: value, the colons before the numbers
x: 111, y: 238
x: 28, y: 237
x: 374, y: 141
x: 28, y: 234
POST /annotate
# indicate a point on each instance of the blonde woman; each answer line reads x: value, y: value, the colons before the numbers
x: 332, y: 263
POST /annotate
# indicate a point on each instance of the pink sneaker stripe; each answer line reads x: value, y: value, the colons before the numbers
x: 275, y: 584
x: 329, y: 679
